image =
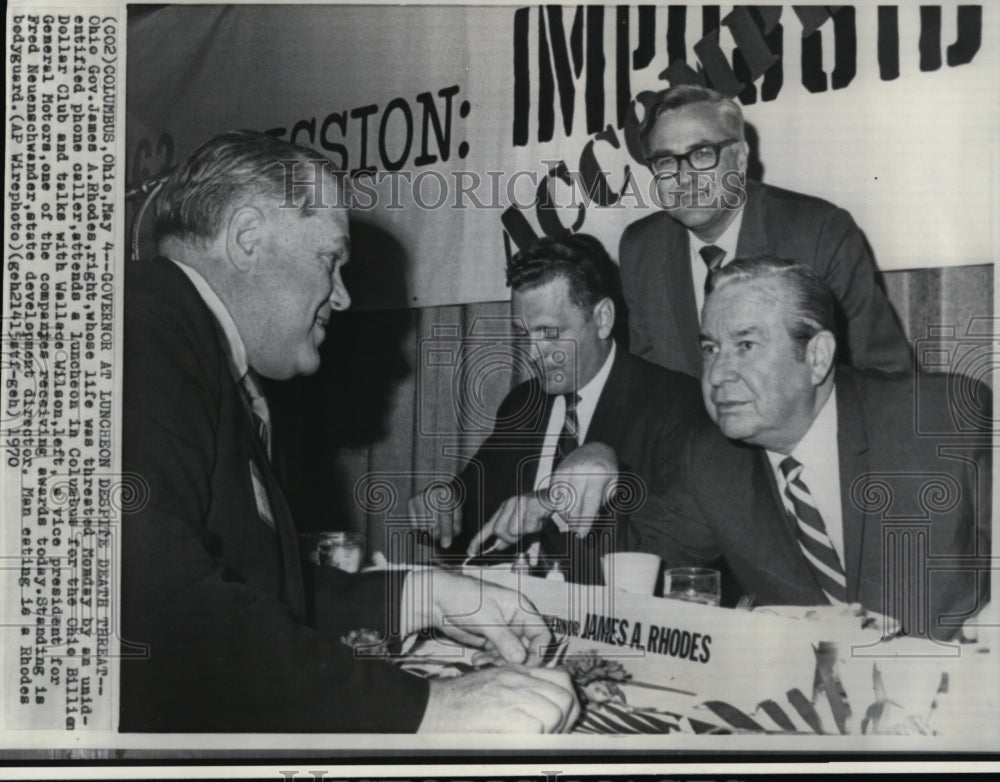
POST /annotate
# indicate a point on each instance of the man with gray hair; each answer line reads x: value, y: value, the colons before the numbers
x: 220, y: 632
x: 787, y: 485
x: 695, y: 145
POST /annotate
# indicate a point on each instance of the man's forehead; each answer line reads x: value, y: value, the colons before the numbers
x: 553, y: 289
x: 549, y: 301
x: 692, y: 119
x: 732, y: 326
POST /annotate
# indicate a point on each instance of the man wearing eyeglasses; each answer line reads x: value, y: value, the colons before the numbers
x: 711, y: 213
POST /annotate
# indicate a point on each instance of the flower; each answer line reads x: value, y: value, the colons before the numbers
x: 594, y: 677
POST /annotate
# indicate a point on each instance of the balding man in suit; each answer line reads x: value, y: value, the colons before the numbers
x: 212, y: 584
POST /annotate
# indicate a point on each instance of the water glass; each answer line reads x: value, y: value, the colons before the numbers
x: 693, y: 585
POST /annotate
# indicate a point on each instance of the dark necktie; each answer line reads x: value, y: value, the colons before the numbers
x: 258, y: 408
x: 569, y: 437
x: 712, y: 256
x: 813, y: 538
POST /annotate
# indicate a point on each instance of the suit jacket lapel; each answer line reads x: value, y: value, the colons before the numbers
x: 852, y: 446
x: 612, y: 403
x: 753, y: 239
x: 680, y: 313
x: 284, y: 524
x: 606, y: 425
x: 771, y: 502
x: 288, y: 536
x: 526, y: 451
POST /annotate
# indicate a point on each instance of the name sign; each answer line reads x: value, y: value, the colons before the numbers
x: 711, y: 652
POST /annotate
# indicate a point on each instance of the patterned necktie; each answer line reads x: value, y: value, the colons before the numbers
x: 569, y: 437
x: 712, y: 256
x: 258, y: 407
x: 813, y: 538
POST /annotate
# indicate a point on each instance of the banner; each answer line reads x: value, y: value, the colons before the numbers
x: 514, y: 122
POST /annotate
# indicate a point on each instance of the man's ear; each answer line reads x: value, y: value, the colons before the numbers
x: 743, y: 155
x: 604, y: 314
x: 244, y: 235
x: 820, y: 354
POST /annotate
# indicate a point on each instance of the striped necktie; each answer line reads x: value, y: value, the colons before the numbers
x: 712, y: 256
x: 569, y: 437
x: 250, y: 383
x: 813, y: 538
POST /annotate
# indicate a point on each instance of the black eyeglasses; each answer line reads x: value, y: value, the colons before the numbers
x: 698, y: 159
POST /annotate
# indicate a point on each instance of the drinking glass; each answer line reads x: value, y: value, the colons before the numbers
x: 342, y: 550
x: 693, y: 585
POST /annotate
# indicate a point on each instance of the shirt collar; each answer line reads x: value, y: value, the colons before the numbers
x: 235, y: 349
x: 728, y: 241
x: 819, y: 443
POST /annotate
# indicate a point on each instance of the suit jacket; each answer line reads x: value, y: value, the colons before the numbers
x: 215, y: 615
x: 644, y: 412
x: 656, y: 279
x: 904, y: 494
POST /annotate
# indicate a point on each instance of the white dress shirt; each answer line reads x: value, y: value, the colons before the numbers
x: 817, y: 453
x: 589, y: 395
x: 699, y: 271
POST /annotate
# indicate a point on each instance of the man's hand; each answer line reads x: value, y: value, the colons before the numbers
x: 580, y: 486
x: 516, y: 516
x: 514, y: 699
x: 575, y: 494
x: 475, y: 613
x: 437, y: 505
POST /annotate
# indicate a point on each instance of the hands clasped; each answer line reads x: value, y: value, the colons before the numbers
x: 514, y: 699
x: 518, y: 697
x: 575, y: 495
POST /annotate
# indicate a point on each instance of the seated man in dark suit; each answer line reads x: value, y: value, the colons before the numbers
x: 823, y: 484
x: 587, y: 391
x: 214, y: 611
x: 711, y: 213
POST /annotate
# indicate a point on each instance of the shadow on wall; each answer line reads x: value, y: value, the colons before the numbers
x: 346, y: 404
